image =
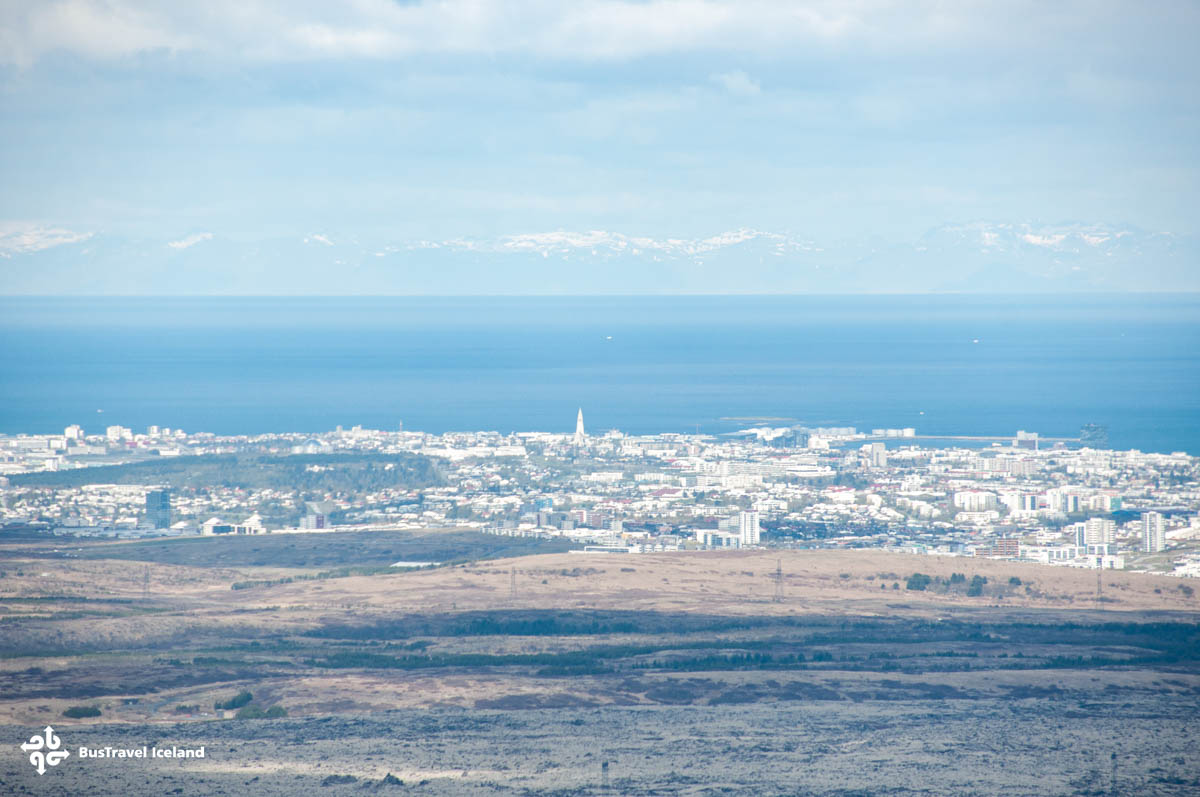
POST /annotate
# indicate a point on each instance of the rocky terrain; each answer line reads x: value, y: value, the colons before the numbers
x: 696, y: 673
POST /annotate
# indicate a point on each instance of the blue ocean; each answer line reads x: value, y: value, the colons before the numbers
x: 945, y: 364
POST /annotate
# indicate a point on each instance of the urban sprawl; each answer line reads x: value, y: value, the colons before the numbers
x: 1027, y: 498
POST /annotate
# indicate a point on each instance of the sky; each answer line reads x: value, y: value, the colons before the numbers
x: 391, y: 120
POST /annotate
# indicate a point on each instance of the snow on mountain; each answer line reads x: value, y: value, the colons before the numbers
x: 972, y: 257
x: 607, y: 244
x: 989, y: 236
x: 191, y: 240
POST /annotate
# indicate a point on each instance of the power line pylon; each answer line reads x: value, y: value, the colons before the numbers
x: 778, y: 581
x: 512, y: 583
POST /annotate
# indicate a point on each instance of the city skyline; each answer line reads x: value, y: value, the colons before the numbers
x: 1074, y: 503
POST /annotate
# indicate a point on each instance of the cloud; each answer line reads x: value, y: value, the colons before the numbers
x: 191, y: 240
x: 738, y: 82
x: 24, y: 237
x: 89, y: 28
x: 580, y: 30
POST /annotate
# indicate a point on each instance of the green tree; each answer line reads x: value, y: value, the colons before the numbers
x: 237, y: 701
x: 78, y: 712
x: 918, y: 582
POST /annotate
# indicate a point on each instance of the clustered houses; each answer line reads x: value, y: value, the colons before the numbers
x: 829, y: 487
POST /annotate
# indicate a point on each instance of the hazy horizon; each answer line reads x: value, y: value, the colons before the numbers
x: 683, y: 146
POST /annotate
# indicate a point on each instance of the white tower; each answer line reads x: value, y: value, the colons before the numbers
x: 749, y: 528
x: 579, y: 435
x: 1153, y: 532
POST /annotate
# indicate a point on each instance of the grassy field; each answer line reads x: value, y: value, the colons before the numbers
x: 527, y: 648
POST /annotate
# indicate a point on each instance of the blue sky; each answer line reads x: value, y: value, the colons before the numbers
x: 417, y: 120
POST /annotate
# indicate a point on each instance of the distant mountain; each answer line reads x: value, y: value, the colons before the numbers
x: 977, y: 257
x: 1063, y: 257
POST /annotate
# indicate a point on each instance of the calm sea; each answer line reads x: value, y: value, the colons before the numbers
x: 943, y: 364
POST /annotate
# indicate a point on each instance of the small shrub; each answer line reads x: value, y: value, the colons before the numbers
x: 186, y: 709
x: 257, y: 713
x: 1186, y: 590
x: 958, y: 578
x: 1014, y: 582
x: 79, y: 712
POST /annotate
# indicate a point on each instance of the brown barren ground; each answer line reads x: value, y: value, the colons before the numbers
x: 683, y: 667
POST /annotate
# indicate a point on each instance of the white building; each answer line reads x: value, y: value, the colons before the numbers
x: 715, y: 538
x: 878, y: 455
x: 1154, y: 536
x: 115, y: 434
x: 1051, y: 554
x: 1096, y: 531
x: 974, y: 501
x: 749, y: 529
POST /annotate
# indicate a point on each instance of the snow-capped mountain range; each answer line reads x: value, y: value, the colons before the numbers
x: 975, y: 257
x: 598, y: 243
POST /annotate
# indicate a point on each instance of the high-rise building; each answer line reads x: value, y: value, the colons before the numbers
x: 158, y: 508
x: 878, y: 455
x: 580, y: 437
x: 73, y: 432
x: 1096, y: 531
x: 312, y: 521
x: 1154, y: 536
x: 749, y: 528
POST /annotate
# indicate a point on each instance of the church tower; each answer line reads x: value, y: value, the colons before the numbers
x: 579, y: 434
